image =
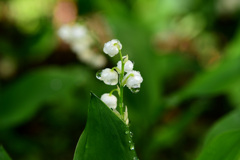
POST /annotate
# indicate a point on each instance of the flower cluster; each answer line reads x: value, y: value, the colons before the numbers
x: 81, y: 41
x: 121, y: 75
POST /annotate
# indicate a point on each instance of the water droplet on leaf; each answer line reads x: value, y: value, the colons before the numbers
x: 132, y: 147
x: 131, y: 134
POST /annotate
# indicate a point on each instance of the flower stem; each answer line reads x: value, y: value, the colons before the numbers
x: 115, y: 68
x: 121, y: 85
x: 113, y: 91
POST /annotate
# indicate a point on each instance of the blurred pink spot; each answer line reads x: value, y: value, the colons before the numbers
x: 65, y: 11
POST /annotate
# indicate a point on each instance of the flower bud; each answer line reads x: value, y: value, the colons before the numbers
x: 112, y: 47
x: 133, y: 80
x: 125, y: 116
x: 108, y: 76
x: 128, y: 66
x: 109, y: 100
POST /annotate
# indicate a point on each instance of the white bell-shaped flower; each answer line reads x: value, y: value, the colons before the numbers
x: 80, y: 47
x: 108, y: 76
x: 65, y: 33
x: 109, y: 100
x: 128, y: 66
x: 73, y: 33
x: 79, y: 32
x: 112, y: 47
x: 133, y: 80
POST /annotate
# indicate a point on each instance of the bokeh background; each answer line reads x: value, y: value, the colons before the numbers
x: 188, y: 53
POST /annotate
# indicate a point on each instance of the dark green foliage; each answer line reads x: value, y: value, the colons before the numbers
x: 3, y: 154
x: 21, y: 100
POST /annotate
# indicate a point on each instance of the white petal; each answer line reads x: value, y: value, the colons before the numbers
x: 109, y: 76
x: 110, y: 101
x: 135, y: 80
x: 112, y: 47
x: 119, y: 65
x: 116, y: 42
x: 64, y: 33
x: 127, y: 67
x: 79, y: 32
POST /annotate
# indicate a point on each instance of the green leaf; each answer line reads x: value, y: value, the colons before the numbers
x: 3, y: 154
x: 22, y: 99
x: 212, y: 82
x: 105, y: 137
x: 223, y: 140
x: 225, y: 146
x: 228, y: 123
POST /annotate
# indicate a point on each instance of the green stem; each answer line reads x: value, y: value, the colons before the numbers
x: 121, y: 85
x: 115, y: 68
x: 113, y: 91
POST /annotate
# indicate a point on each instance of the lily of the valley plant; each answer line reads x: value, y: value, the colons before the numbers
x: 122, y: 75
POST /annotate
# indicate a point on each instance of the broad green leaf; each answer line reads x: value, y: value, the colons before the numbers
x: 22, y: 99
x: 212, y: 82
x: 228, y: 123
x: 3, y: 154
x: 106, y: 137
x: 223, y: 140
x: 225, y: 146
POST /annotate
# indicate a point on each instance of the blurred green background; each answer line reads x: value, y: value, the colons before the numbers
x: 187, y: 51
